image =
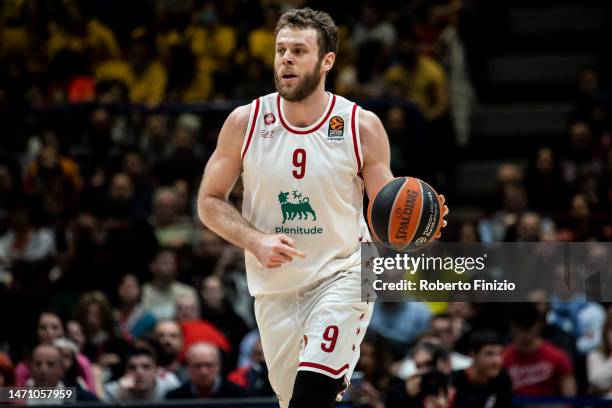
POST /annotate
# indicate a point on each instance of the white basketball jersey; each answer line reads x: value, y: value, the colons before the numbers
x: 305, y: 183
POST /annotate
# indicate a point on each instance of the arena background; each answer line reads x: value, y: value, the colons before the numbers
x: 109, y: 111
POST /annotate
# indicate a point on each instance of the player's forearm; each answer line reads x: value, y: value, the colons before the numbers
x: 225, y: 220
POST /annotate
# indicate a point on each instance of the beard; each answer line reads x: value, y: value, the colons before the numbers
x: 303, y: 89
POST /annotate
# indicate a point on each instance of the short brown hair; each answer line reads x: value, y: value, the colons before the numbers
x: 322, y: 22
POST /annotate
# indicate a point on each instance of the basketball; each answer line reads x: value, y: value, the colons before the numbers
x: 405, y: 213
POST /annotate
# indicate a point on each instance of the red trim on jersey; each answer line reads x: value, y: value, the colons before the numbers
x: 305, y: 132
x: 355, y: 140
x: 324, y: 367
x: 252, y: 128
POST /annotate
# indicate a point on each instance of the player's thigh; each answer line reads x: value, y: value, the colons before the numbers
x: 281, y: 340
x: 335, y: 325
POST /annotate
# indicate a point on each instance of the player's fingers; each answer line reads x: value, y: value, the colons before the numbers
x: 442, y: 198
x: 445, y: 211
x: 287, y: 240
x: 286, y: 249
x: 438, y: 235
x: 281, y: 258
x: 444, y: 223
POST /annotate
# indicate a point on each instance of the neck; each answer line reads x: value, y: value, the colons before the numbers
x: 532, y: 347
x: 304, y: 113
x: 477, y: 376
x: 146, y: 394
x: 204, y: 391
x: 127, y: 308
x: 161, y: 283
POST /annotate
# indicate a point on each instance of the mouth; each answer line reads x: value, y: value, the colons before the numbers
x: 288, y: 77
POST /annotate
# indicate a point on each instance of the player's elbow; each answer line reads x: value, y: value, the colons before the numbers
x: 206, y: 207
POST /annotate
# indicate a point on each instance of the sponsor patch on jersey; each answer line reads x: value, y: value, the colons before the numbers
x: 294, y: 206
x: 269, y: 119
x: 336, y: 129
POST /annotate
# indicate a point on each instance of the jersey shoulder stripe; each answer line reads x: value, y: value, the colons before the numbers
x: 356, y: 140
x: 251, y: 127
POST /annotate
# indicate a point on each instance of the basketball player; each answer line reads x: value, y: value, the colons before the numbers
x: 305, y: 155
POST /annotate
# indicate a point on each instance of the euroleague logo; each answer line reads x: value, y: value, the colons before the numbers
x: 336, y: 129
x: 269, y: 119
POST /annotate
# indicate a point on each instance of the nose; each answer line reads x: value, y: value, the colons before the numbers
x: 286, y: 58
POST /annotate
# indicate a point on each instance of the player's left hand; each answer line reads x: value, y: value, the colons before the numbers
x: 445, y: 212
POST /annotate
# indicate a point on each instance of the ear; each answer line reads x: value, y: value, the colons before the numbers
x: 328, y: 62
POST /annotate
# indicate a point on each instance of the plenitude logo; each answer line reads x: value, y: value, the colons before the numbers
x: 295, y: 205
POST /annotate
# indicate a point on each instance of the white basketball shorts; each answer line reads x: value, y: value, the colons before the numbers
x: 317, y: 328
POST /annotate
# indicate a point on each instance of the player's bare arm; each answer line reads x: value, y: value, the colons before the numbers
x: 214, y: 209
x: 376, y: 153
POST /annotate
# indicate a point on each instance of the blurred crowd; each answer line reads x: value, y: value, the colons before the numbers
x: 109, y: 283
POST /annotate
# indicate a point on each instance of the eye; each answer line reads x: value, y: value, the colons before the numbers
x: 280, y: 50
x: 299, y: 51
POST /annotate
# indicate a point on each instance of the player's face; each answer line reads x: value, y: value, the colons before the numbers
x: 297, y: 65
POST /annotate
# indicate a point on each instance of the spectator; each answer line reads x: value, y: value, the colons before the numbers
x: 441, y: 328
x: 160, y: 295
x: 135, y: 166
x: 205, y: 381
x: 185, y: 154
x: 47, y: 371
x: 53, y: 175
x: 169, y: 336
x: 212, y: 40
x: 134, y: 322
x: 49, y: 329
x: 144, y: 76
x: 74, y: 330
x: 85, y: 36
x: 374, y: 365
x: 545, y: 185
x: 7, y: 371
x: 420, y: 79
x: 171, y: 230
x: 599, y: 362
x: 462, y: 95
x: 573, y: 314
x: 262, y: 40
x: 400, y: 324
x: 485, y: 383
x: 217, y: 309
x: 103, y: 344
x: 536, y: 367
x: 431, y: 364
x: 141, y: 381
x: 155, y: 138
x: 120, y: 197
x: 195, y: 329
x: 73, y: 375
x: 27, y: 41
x: 371, y: 27
x: 24, y: 241
x: 254, y: 376
x: 441, y: 334
x: 189, y: 80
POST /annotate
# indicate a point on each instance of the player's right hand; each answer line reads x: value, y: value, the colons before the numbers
x: 274, y: 250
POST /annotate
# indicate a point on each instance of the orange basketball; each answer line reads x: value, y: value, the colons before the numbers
x: 405, y: 213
